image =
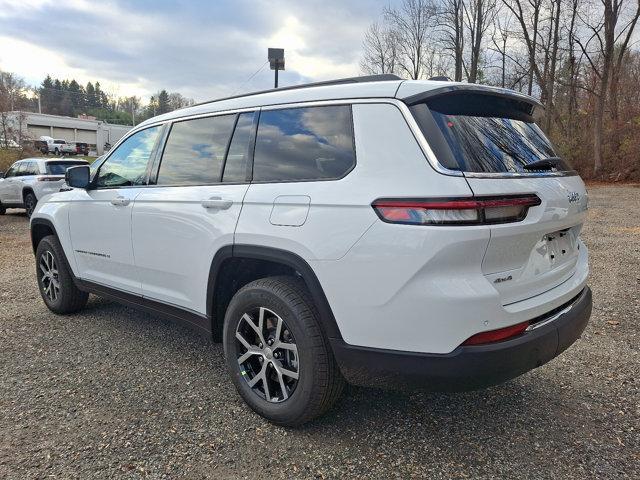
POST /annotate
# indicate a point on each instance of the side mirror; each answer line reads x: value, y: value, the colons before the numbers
x: 77, y: 177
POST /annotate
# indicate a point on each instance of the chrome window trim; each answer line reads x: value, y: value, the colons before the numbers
x: 401, y: 105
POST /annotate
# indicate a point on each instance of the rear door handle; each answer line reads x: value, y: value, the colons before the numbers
x: 120, y: 201
x: 217, y: 203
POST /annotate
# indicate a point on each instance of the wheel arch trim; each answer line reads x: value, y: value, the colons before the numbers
x: 283, y: 257
x: 44, y: 222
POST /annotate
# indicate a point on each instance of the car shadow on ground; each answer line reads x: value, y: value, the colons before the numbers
x: 480, y: 415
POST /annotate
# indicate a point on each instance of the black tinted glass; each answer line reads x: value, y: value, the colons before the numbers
x: 11, y: 172
x: 59, y: 168
x: 311, y: 143
x: 235, y: 169
x: 127, y: 165
x: 492, y: 144
x: 33, y: 169
x: 195, y: 150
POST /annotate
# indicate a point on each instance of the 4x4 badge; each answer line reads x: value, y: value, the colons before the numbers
x: 573, y: 197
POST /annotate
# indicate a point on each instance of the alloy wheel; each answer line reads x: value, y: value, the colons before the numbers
x: 267, y: 355
x: 30, y: 206
x: 49, y: 279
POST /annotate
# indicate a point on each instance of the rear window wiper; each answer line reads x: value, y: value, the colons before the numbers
x: 545, y: 164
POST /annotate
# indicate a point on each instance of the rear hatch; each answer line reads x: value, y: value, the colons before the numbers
x: 493, y: 140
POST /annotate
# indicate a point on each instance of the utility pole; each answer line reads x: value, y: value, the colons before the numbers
x: 276, y: 62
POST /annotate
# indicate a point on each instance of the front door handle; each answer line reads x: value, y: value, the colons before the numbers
x: 120, y: 201
x: 217, y: 203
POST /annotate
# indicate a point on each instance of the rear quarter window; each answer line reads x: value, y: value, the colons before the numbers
x: 302, y: 144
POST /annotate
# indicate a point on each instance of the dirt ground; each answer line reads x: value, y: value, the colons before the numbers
x: 112, y: 392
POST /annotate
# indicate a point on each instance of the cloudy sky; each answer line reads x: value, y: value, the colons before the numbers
x: 202, y: 49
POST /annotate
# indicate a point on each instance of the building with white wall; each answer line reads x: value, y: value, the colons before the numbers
x: 96, y: 133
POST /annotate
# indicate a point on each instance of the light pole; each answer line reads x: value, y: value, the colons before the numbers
x: 276, y: 61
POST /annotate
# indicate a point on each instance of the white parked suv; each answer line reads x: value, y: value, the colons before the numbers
x: 28, y: 180
x: 373, y: 230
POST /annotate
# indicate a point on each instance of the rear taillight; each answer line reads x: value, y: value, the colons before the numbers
x: 497, y: 335
x: 455, y: 211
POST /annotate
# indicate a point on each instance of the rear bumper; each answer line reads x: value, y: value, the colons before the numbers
x: 468, y: 367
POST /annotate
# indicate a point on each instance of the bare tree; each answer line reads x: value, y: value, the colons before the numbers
x: 500, y: 39
x: 380, y: 50
x: 411, y: 22
x: 12, y: 96
x: 450, y: 21
x: 604, y: 51
x: 479, y: 15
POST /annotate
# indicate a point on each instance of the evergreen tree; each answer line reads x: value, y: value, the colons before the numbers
x: 90, y: 96
x: 163, y: 102
x: 46, y: 92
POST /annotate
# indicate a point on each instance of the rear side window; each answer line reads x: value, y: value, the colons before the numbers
x: 59, y: 168
x: 309, y: 143
x: 235, y: 168
x: 485, y: 134
x: 195, y: 150
x: 32, y: 168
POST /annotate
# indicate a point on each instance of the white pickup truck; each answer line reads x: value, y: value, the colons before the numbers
x: 58, y: 146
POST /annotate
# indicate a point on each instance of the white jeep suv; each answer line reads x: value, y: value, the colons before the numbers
x: 372, y: 230
x: 30, y: 179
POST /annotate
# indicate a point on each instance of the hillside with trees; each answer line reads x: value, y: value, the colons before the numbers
x: 579, y: 57
x: 69, y: 98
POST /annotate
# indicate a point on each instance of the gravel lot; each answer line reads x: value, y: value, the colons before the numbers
x: 112, y: 392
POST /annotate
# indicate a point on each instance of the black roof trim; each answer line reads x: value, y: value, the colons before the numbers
x: 387, y: 77
x: 472, y: 88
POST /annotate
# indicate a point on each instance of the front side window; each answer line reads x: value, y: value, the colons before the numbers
x: 194, y: 152
x: 310, y: 143
x: 127, y: 165
x: 13, y: 171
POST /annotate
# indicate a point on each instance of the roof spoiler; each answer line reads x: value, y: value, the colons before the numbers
x: 472, y: 88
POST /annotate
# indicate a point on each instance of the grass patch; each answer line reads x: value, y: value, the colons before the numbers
x: 8, y: 156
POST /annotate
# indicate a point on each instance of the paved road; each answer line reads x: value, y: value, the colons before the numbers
x: 116, y: 393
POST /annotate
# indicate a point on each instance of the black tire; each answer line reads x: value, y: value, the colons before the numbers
x: 69, y: 298
x: 56, y: 152
x: 2, y: 209
x: 30, y: 202
x: 320, y: 382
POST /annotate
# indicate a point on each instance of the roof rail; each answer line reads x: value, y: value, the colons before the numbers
x: 386, y: 77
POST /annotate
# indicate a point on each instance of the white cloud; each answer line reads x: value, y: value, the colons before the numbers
x: 202, y: 49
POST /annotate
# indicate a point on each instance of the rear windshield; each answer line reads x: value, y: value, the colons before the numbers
x: 59, y: 168
x: 488, y: 134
